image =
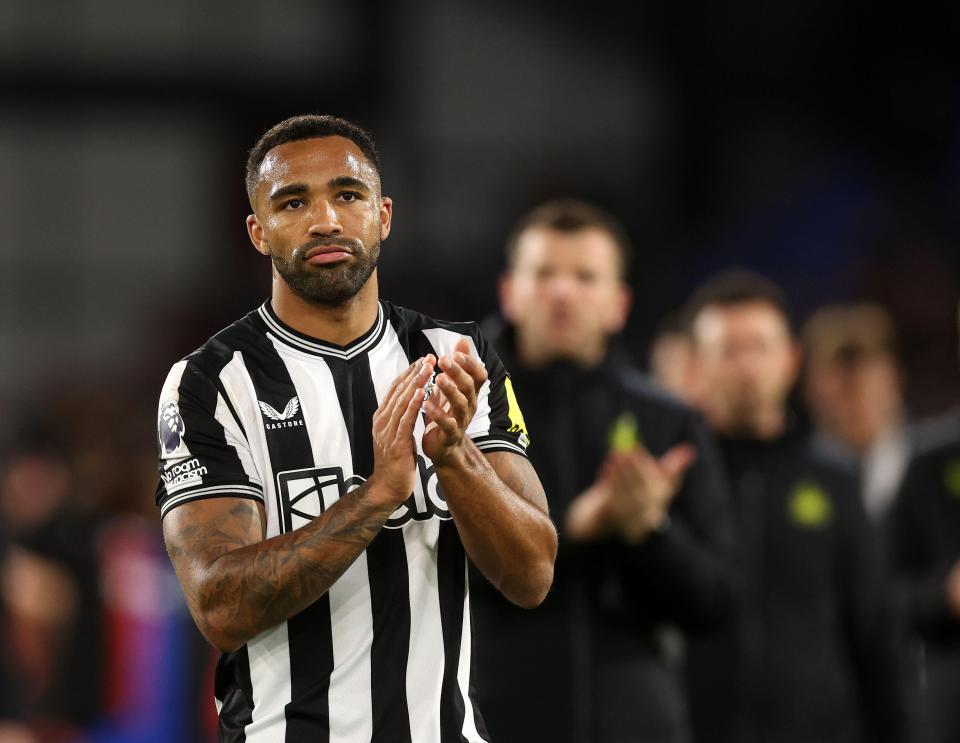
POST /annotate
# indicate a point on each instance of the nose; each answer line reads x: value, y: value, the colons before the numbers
x: 325, y: 220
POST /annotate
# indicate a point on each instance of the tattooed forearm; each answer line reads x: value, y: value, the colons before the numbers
x: 238, y: 586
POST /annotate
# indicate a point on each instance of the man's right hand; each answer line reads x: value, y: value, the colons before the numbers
x: 631, y: 496
x: 394, y: 449
x: 952, y: 589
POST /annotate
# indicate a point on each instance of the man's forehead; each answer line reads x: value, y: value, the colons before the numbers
x: 543, y: 244
x: 318, y: 157
x: 751, y: 315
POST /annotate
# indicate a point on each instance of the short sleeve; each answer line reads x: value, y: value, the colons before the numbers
x: 204, y: 452
x: 498, y: 424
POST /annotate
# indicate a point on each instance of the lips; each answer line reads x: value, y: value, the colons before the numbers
x: 324, y: 254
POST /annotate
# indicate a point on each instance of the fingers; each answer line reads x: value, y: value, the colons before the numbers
x: 677, y: 461
x: 441, y: 418
x: 461, y: 407
x: 473, y: 366
x: 403, y: 394
x: 409, y: 418
x: 382, y: 413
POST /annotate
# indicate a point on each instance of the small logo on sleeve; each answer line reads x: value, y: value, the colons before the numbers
x: 289, y: 418
x: 170, y: 428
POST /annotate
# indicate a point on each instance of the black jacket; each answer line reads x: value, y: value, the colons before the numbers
x: 814, y: 658
x: 924, y: 534
x: 596, y: 661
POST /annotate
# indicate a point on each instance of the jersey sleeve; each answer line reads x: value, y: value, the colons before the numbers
x: 203, y: 449
x: 498, y: 424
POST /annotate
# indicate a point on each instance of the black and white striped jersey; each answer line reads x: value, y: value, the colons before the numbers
x: 264, y: 412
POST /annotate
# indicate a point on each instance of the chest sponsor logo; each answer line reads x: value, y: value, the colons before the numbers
x: 305, y: 494
x: 809, y: 505
x: 170, y: 428
x: 291, y: 416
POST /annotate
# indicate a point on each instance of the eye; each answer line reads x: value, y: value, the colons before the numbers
x: 348, y: 196
x: 293, y: 204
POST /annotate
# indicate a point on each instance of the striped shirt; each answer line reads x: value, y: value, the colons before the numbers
x: 264, y: 412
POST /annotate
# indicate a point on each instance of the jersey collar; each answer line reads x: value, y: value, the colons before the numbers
x: 295, y: 339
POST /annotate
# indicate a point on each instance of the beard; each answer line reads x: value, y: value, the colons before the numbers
x: 328, y: 285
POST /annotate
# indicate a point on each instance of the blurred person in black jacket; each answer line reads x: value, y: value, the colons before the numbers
x: 925, y: 549
x: 814, y: 658
x: 632, y: 478
x: 854, y: 388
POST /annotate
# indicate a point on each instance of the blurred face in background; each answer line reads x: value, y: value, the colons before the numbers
x: 855, y: 400
x: 564, y: 295
x: 672, y: 365
x: 747, y: 362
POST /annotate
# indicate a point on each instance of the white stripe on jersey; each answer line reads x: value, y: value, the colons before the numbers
x: 269, y: 654
x: 425, y: 665
x: 444, y: 341
x: 235, y: 437
x: 351, y: 612
x: 239, y: 387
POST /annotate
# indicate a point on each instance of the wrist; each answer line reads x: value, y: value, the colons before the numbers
x: 455, y: 458
x: 381, y: 492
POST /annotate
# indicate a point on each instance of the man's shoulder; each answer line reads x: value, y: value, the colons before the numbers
x: 220, y: 348
x: 413, y: 320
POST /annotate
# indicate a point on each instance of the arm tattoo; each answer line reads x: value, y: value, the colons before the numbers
x: 238, y: 585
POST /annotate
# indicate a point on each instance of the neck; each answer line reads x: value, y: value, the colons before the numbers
x: 535, y: 355
x: 339, y: 324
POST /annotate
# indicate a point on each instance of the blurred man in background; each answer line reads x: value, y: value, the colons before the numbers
x: 633, y: 480
x: 672, y: 359
x: 925, y: 545
x: 815, y: 654
x: 49, y: 591
x: 855, y: 393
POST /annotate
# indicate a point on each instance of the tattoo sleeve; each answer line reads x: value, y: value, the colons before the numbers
x: 237, y: 584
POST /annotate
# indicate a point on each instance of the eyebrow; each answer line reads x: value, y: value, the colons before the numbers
x: 348, y: 181
x: 292, y: 189
x: 298, y: 189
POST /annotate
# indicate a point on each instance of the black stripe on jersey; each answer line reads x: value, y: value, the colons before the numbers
x: 452, y: 589
x: 232, y: 686
x: 309, y: 632
x: 386, y: 565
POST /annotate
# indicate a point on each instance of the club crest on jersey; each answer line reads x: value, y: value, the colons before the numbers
x: 170, y: 428
x: 305, y: 494
x: 287, y: 419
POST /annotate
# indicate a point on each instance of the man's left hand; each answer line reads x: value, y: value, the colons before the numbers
x: 453, y: 403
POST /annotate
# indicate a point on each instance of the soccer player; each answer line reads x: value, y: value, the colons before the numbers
x: 330, y: 462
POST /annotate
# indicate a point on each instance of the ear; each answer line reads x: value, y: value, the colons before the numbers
x: 386, y: 216
x: 505, y: 292
x: 255, y: 231
x: 619, y: 309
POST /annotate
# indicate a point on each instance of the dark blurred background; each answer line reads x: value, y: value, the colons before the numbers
x: 816, y: 142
